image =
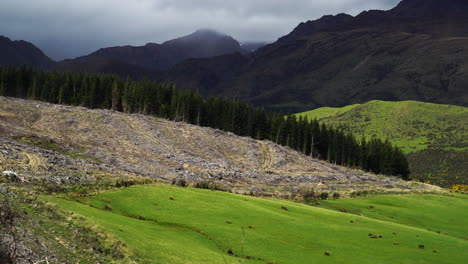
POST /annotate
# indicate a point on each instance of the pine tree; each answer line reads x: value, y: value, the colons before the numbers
x: 19, y: 82
x: 32, y: 91
x: 116, y: 96
x: 3, y: 74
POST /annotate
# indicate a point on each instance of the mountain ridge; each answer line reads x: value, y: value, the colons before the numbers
x: 155, y: 57
x: 20, y: 52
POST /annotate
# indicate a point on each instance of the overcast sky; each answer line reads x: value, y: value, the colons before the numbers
x: 71, y: 28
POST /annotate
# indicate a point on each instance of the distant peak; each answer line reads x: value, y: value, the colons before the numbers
x: 206, y: 30
x: 203, y: 35
x: 151, y: 45
x: 4, y: 38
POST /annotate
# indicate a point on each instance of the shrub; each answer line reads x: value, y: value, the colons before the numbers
x: 10, y: 216
x: 336, y: 196
x: 209, y: 186
x: 421, y: 246
x: 125, y: 183
x: 358, y: 193
x: 324, y: 196
x: 308, y: 196
x: 181, y: 183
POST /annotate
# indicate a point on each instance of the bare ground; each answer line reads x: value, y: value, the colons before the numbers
x: 64, y: 143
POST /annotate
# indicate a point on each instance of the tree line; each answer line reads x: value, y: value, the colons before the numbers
x: 106, y: 91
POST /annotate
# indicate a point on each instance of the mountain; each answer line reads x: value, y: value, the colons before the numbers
x: 17, y: 53
x: 202, y: 43
x: 415, y: 51
x: 434, y: 137
x: 154, y: 57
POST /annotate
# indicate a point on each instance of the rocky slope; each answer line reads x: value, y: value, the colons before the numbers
x: 68, y: 144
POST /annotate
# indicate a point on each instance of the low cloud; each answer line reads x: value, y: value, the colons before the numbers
x: 66, y: 29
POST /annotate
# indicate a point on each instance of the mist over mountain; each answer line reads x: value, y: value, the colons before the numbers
x: 200, y: 44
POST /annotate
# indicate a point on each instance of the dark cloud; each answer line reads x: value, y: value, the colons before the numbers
x: 65, y: 29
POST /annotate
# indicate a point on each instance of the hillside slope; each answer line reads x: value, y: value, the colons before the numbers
x: 228, y: 228
x: 62, y: 140
x: 435, y: 137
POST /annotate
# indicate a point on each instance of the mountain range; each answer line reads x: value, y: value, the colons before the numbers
x: 157, y: 57
x: 415, y: 51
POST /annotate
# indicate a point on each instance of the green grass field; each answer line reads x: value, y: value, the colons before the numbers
x: 424, y: 131
x: 326, y: 112
x: 165, y: 224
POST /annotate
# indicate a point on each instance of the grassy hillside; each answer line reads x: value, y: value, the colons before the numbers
x: 326, y: 112
x: 426, y: 132
x: 164, y: 224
